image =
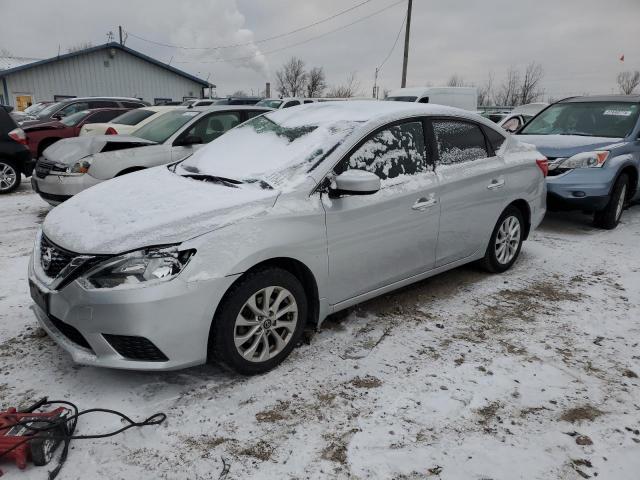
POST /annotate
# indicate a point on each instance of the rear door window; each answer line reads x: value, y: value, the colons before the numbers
x: 291, y: 103
x: 212, y: 126
x: 73, y: 108
x: 389, y: 153
x: 103, y: 104
x: 496, y: 139
x: 458, y: 141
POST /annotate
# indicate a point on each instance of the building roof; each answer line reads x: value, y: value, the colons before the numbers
x: 9, y: 62
x: 31, y: 63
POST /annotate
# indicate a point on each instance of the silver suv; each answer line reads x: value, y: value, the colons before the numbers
x: 287, y: 218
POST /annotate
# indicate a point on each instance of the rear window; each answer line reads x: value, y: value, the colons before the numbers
x: 496, y: 139
x: 75, y: 118
x: 133, y: 117
x: 587, y: 119
x: 160, y: 129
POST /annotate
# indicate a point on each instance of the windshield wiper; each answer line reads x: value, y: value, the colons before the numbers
x: 230, y: 182
x: 577, y: 134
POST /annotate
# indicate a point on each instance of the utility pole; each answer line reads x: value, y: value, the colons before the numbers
x: 406, y: 45
x: 120, y: 32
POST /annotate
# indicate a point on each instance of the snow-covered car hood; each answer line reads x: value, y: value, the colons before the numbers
x: 566, y: 145
x: 70, y: 150
x: 151, y: 207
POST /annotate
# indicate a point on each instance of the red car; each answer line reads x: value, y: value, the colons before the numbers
x: 40, y: 136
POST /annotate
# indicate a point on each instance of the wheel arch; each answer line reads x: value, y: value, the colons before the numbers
x: 632, y: 173
x: 46, y: 143
x: 129, y: 170
x: 525, y: 209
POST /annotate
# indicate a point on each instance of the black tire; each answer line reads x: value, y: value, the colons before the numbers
x: 490, y: 262
x: 609, y: 217
x: 42, y: 448
x: 222, y: 346
x: 10, y: 176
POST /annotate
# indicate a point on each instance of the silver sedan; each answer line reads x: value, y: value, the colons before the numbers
x: 289, y: 217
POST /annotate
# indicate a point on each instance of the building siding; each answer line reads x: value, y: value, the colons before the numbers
x: 87, y: 75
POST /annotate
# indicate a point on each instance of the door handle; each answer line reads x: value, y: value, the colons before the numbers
x: 425, y: 203
x: 495, y: 184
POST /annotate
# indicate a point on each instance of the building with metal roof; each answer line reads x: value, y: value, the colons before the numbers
x: 110, y: 69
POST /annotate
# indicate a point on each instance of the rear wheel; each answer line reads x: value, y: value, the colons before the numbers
x: 506, y: 241
x: 610, y: 216
x: 10, y: 177
x: 259, y: 322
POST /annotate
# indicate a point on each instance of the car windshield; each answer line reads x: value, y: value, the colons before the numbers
x: 401, y: 99
x: 133, y: 117
x: 49, y: 110
x: 75, y: 118
x: 272, y: 148
x: 160, y: 129
x: 35, y: 108
x: 590, y: 119
x: 271, y: 103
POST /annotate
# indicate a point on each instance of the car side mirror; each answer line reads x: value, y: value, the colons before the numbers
x: 354, y: 182
x: 188, y: 141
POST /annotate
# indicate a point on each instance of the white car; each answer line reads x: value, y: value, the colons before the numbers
x: 75, y: 164
x: 278, y: 103
x: 127, y: 122
x: 521, y: 115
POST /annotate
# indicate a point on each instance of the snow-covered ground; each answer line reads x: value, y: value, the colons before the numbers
x: 527, y: 375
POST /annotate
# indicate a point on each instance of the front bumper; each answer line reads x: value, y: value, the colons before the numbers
x: 586, y: 189
x: 175, y: 317
x: 55, y: 189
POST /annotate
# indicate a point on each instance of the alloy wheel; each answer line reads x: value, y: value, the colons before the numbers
x: 508, y: 239
x: 8, y: 177
x: 265, y: 324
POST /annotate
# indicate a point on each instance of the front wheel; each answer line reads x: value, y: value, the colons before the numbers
x: 9, y: 177
x: 610, y: 216
x: 506, y: 241
x: 259, y: 322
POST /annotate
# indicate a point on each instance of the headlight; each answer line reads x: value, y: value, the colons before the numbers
x: 141, y: 266
x: 81, y: 166
x: 586, y: 160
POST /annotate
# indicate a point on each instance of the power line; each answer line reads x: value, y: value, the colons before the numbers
x: 404, y: 19
x: 257, y: 54
x: 267, y: 39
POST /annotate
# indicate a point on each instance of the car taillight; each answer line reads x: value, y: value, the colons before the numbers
x: 543, y: 164
x: 18, y: 135
x: 111, y: 131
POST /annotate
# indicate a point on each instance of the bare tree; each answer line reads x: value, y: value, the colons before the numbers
x: 239, y: 93
x: 291, y: 78
x: 5, y: 53
x: 530, y: 90
x: 79, y: 46
x: 316, y: 82
x: 349, y: 89
x: 628, y: 81
x: 485, y: 92
x: 508, y: 92
x: 456, y: 80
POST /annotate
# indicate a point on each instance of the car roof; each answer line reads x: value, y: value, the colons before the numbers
x: 127, y: 99
x: 365, y: 111
x: 210, y: 108
x: 603, y: 98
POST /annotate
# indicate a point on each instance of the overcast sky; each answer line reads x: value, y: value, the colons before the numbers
x: 578, y: 42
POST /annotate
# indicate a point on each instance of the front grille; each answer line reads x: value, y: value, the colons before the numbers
x: 135, y: 348
x: 53, y: 259
x: 70, y: 332
x: 45, y: 167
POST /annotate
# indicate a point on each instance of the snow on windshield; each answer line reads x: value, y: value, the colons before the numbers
x: 276, y: 148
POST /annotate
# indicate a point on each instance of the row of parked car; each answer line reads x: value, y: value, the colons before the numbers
x: 226, y: 252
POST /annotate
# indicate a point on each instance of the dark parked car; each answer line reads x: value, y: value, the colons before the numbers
x: 59, y: 110
x: 593, y: 148
x: 42, y: 135
x: 238, y: 101
x: 14, y: 154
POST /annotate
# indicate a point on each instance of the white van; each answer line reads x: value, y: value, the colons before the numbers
x: 461, y: 97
